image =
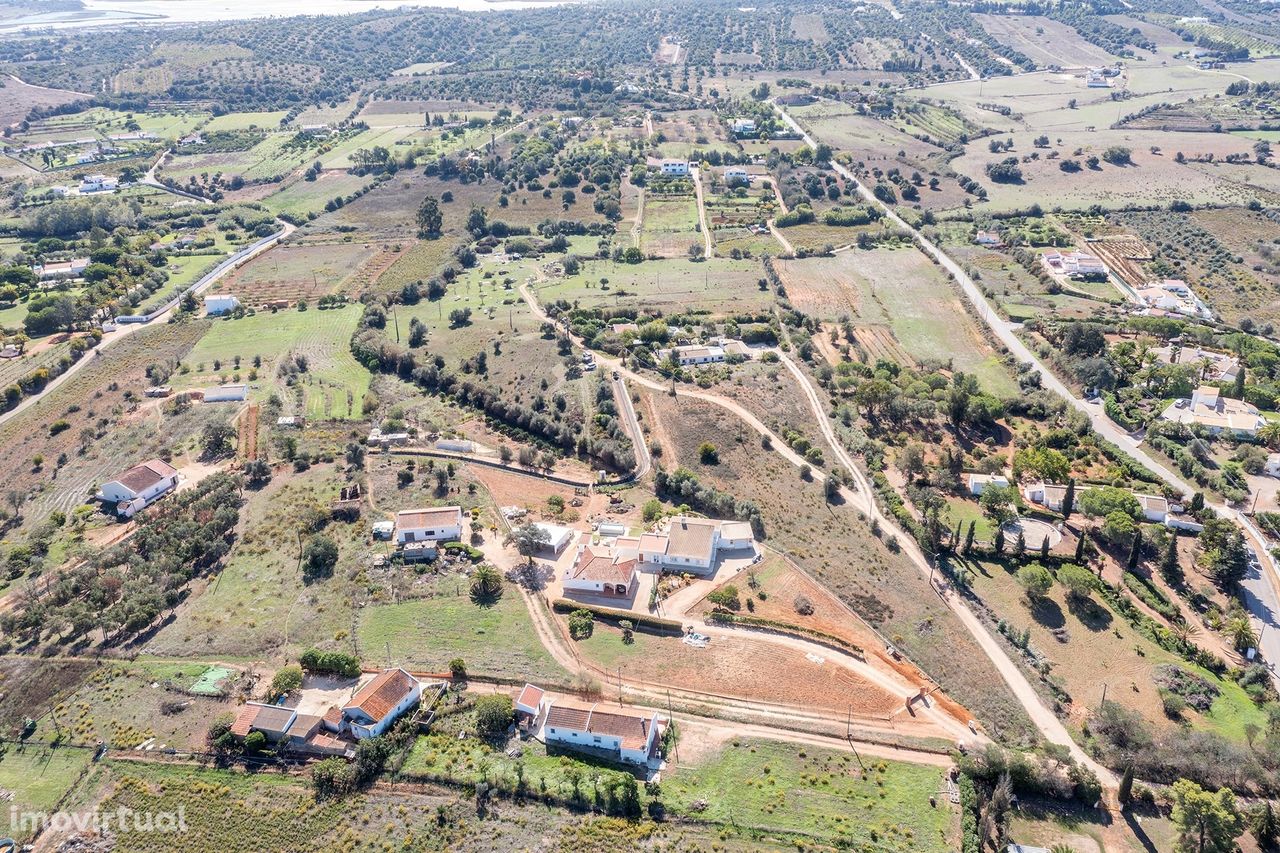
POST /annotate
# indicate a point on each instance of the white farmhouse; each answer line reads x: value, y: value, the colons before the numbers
x: 978, y: 482
x: 380, y: 702
x: 605, y: 569
x: 621, y: 736
x: 73, y: 268
x: 736, y: 174
x: 692, y: 543
x: 694, y: 354
x: 743, y: 126
x: 436, y: 524
x: 1208, y: 408
x: 220, y: 303
x: 679, y: 168
x: 139, y: 487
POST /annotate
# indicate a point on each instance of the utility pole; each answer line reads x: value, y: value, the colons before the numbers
x: 1104, y: 695
x: 396, y: 318
x: 619, y: 685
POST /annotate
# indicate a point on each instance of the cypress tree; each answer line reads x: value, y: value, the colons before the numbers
x: 1125, y: 793
x: 1237, y: 389
x: 1069, y: 500
x: 1080, y: 548
x: 968, y: 538
x: 1135, y: 553
x: 1170, y: 569
x: 1020, y: 545
x: 1044, y: 548
x: 997, y: 544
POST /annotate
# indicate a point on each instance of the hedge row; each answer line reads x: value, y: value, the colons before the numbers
x: 797, y: 631
x: 612, y: 616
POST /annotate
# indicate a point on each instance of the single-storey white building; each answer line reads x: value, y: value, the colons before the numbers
x: 625, y: 737
x: 688, y: 356
x: 529, y: 706
x: 1049, y: 495
x: 1272, y: 466
x: 139, y: 487
x: 736, y: 173
x: 456, y: 445
x: 987, y: 238
x: 978, y: 482
x: 603, y: 569
x: 692, y: 543
x: 1155, y: 508
x: 560, y: 536
x: 675, y: 167
x: 220, y: 303
x: 73, y: 268
x: 380, y: 702
x: 1208, y: 408
x: 743, y: 126
x: 226, y: 394
x: 435, y: 524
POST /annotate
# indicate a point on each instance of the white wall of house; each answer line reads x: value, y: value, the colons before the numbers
x: 446, y: 533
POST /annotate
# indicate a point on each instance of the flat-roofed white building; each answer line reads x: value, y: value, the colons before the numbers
x: 433, y: 524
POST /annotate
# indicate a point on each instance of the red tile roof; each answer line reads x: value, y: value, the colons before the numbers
x: 380, y: 696
x: 244, y: 720
x: 530, y: 697
x: 633, y: 730
x: 139, y: 478
x: 600, y: 564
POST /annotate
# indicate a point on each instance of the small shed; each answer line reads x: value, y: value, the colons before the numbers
x: 560, y: 537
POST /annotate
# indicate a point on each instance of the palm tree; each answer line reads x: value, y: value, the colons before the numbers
x: 1241, y: 633
x: 486, y: 582
x: 1270, y: 433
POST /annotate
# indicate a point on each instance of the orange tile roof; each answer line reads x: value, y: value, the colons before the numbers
x: 601, y: 564
x: 142, y: 477
x: 530, y: 696
x: 633, y: 730
x: 381, y: 695
x: 244, y: 720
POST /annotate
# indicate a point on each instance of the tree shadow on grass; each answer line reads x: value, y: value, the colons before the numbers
x: 1091, y: 614
x: 1047, y: 612
x: 485, y: 599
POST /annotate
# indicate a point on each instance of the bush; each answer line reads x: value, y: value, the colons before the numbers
x: 493, y: 715
x: 581, y: 624
x: 803, y: 605
x: 255, y: 742
x: 726, y: 596
x: 318, y: 558
x: 458, y: 668
x: 285, y: 682
x: 332, y: 663
x: 611, y: 616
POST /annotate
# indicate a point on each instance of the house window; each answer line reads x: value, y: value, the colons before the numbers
x: 596, y: 738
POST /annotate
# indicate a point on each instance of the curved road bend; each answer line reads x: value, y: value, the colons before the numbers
x: 1260, y: 588
x: 125, y: 330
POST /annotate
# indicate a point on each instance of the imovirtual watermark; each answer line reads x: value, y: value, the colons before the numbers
x: 121, y: 819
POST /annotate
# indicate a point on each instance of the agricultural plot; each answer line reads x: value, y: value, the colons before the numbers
x: 272, y: 158
x: 17, y: 99
x: 1088, y: 645
x: 864, y: 138
x: 389, y: 137
x: 670, y: 226
x: 817, y: 790
x: 95, y: 392
x: 1236, y: 36
x: 246, y: 121
x: 328, y: 114
x: 303, y: 198
x: 901, y: 289
x: 1152, y: 178
x: 1020, y: 295
x: 36, y: 778
x: 333, y: 385
x: 441, y: 622
x: 720, y: 286
x: 388, y: 212
x: 296, y: 271
x: 1044, y: 41
x: 682, y: 132
x: 259, y: 605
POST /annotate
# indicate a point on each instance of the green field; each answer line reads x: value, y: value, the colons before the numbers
x: 301, y: 197
x: 38, y: 778
x: 334, y: 384
x: 426, y: 633
x: 899, y: 288
x: 672, y: 286
x: 818, y: 791
x: 244, y: 121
